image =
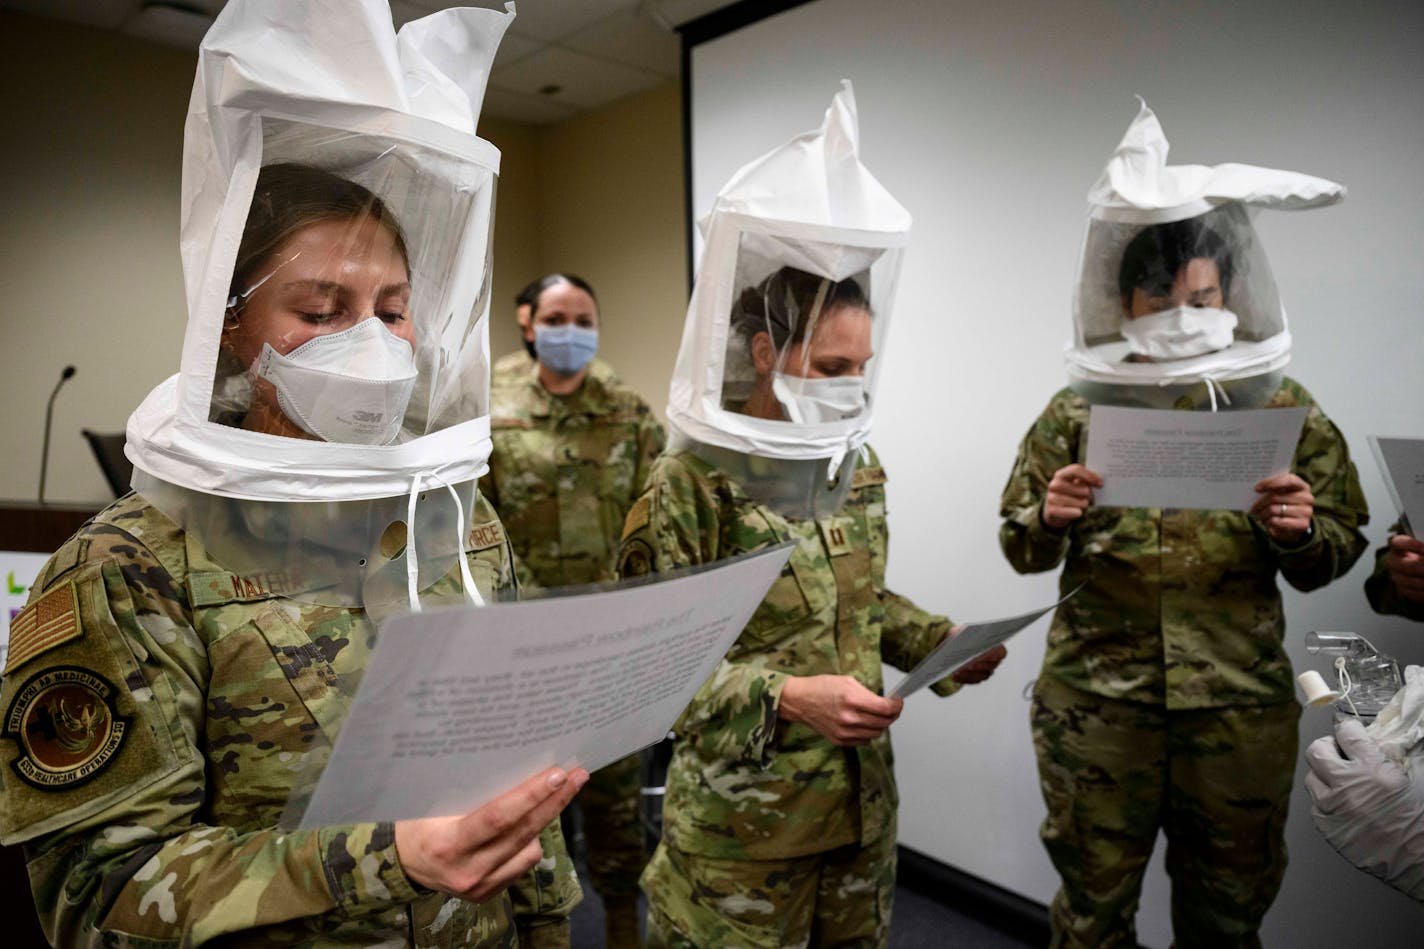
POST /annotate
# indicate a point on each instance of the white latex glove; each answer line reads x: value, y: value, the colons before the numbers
x: 1369, y: 807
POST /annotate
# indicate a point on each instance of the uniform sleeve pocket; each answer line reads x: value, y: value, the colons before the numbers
x: 84, y: 727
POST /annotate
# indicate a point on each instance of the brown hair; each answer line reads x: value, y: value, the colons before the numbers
x: 289, y: 197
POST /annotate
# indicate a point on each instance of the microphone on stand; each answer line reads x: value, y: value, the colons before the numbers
x: 64, y: 377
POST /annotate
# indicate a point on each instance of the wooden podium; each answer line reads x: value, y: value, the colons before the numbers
x: 41, y: 528
x: 37, y: 528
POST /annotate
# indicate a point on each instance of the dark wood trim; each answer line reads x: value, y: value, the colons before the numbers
x: 1006, y: 911
x: 41, y: 528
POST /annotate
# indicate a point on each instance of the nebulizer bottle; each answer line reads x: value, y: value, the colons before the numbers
x: 1366, y: 679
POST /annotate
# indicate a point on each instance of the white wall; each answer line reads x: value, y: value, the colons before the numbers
x: 989, y: 122
x: 89, y: 269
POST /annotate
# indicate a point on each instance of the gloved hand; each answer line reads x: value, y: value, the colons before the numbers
x: 1369, y: 807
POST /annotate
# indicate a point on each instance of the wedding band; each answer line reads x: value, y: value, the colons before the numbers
x: 1283, y: 510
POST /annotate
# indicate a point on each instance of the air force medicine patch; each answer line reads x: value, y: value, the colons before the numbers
x: 66, y: 726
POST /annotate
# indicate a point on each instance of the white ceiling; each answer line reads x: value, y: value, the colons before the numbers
x: 559, y: 58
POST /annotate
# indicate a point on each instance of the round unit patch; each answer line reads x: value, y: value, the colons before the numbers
x: 635, y: 559
x: 66, y: 726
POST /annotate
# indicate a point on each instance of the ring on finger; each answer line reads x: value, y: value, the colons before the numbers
x: 1282, y: 511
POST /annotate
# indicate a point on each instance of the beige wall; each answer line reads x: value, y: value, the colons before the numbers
x: 613, y: 213
x: 518, y: 256
x: 89, y: 266
x: 89, y: 271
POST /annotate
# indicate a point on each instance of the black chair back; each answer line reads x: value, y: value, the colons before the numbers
x: 108, y: 450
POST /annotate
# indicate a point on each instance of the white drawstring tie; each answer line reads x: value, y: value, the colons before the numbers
x: 412, y: 566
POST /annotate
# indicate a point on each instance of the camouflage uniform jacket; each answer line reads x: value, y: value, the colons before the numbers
x: 564, y: 472
x: 516, y: 367
x: 1178, y: 607
x: 742, y: 784
x: 1383, y: 594
x: 154, y: 729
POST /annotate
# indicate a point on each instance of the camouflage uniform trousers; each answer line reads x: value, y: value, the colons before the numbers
x: 1217, y: 781
x: 612, y: 829
x: 842, y: 897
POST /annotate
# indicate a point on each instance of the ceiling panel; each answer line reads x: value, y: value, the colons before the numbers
x: 403, y: 11
x: 596, y: 51
x: 631, y: 38
x: 582, y: 81
x: 515, y: 47
x: 678, y: 12
x: 518, y: 107
x: 551, y: 20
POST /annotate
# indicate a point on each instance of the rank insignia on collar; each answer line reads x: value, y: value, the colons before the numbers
x: 66, y: 725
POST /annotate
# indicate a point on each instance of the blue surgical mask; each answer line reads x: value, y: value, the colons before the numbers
x: 566, y: 349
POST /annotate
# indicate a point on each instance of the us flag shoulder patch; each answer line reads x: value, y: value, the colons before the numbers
x: 50, y: 621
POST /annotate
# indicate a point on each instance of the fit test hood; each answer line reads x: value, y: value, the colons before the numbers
x: 810, y: 205
x: 1138, y: 190
x: 330, y: 83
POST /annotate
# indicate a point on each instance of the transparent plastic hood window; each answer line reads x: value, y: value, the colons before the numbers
x: 801, y: 344
x: 339, y: 324
x: 1173, y: 304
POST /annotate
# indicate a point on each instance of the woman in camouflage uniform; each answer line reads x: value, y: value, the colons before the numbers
x: 189, y: 656
x: 572, y: 446
x: 779, y: 817
x: 165, y: 704
x: 1166, y: 701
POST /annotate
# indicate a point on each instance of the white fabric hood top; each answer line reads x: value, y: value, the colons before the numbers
x: 1138, y: 186
x: 329, y: 83
x: 812, y: 206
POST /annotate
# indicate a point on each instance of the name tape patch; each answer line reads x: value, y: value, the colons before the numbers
x: 485, y: 536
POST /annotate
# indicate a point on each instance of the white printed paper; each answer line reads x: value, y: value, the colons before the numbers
x: 1402, y: 462
x: 458, y: 706
x: 1200, y: 460
x: 972, y: 641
